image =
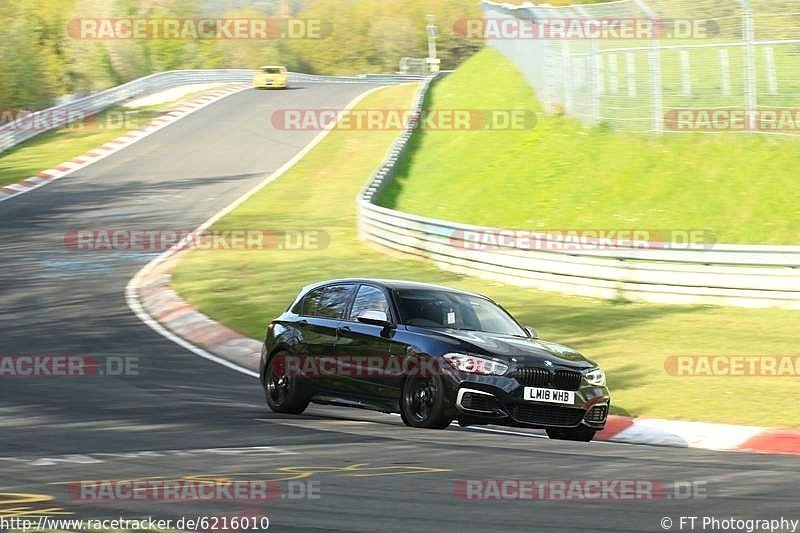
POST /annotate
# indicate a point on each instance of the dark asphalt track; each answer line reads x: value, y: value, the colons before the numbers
x: 185, y: 416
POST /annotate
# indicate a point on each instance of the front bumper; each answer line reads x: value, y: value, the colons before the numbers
x: 269, y: 83
x: 500, y: 400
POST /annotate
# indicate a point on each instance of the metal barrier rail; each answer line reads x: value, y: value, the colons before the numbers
x: 738, y: 275
x: 12, y: 134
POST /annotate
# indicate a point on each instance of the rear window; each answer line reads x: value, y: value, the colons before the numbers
x: 327, y: 302
x: 274, y: 70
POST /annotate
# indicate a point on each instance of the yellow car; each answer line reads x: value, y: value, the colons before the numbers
x: 274, y: 76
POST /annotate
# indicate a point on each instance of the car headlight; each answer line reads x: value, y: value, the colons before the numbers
x: 596, y: 377
x: 476, y: 365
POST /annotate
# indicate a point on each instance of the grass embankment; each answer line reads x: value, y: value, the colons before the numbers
x: 562, y: 175
x: 246, y: 289
x: 52, y: 148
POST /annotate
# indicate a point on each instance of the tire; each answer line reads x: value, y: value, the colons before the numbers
x: 580, y: 433
x: 284, y: 394
x: 423, y: 403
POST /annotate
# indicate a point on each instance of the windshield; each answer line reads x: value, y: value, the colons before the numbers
x: 273, y: 70
x: 450, y: 310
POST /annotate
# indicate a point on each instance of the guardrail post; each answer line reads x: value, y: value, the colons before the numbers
x: 772, y: 75
x: 725, y: 68
x: 654, y: 63
x: 750, y: 88
x: 594, y: 65
x: 566, y: 72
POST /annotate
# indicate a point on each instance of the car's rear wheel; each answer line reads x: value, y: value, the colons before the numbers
x: 284, y: 393
x: 423, y: 404
x: 580, y: 433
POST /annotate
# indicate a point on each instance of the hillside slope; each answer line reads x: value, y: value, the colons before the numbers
x: 562, y: 175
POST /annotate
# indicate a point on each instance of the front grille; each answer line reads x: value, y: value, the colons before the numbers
x: 597, y: 413
x: 541, y: 377
x: 479, y: 402
x: 567, y: 380
x: 533, y: 377
x: 547, y: 415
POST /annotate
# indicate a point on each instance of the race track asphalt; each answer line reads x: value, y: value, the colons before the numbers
x: 184, y: 416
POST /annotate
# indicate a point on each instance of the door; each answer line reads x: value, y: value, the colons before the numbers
x: 360, y: 345
x: 321, y: 314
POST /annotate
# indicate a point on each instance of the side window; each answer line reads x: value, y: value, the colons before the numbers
x: 310, y: 304
x: 328, y: 302
x: 334, y: 301
x: 369, y: 299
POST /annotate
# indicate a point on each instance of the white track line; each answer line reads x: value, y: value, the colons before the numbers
x: 113, y: 146
x: 130, y: 290
x: 136, y: 307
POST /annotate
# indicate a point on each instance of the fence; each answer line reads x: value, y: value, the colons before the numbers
x: 745, y: 276
x: 11, y: 135
x: 711, y: 65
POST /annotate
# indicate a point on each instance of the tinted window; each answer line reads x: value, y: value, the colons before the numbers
x: 328, y: 302
x: 310, y: 303
x: 369, y: 299
x: 450, y: 310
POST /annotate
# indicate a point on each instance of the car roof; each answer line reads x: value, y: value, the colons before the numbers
x: 272, y: 66
x: 392, y: 284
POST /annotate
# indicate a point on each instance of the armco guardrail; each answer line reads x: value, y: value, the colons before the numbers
x: 738, y: 275
x: 12, y: 135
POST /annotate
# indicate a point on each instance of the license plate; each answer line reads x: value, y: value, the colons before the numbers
x: 535, y: 394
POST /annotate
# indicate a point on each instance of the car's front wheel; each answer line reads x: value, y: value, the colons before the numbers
x: 284, y: 393
x: 423, y: 403
x: 580, y: 433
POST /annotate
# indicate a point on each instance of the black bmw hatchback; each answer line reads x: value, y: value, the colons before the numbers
x: 431, y: 353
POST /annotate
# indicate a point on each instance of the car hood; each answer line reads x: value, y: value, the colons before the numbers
x: 517, y: 350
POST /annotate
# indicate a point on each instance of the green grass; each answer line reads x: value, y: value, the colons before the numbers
x: 562, y: 175
x: 52, y: 148
x: 247, y: 289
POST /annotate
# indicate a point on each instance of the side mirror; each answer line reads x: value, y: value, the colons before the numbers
x: 375, y: 318
x: 532, y: 333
